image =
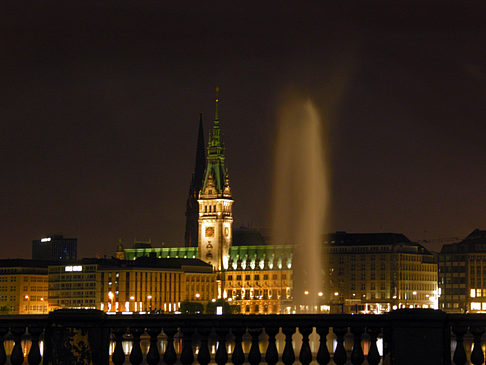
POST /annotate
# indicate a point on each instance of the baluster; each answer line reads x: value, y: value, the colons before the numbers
x: 203, y: 357
x: 170, y: 356
x: 238, y: 357
x: 323, y: 356
x: 118, y: 356
x: 254, y: 357
x: 288, y: 356
x: 153, y: 356
x: 477, y: 355
x: 187, y: 356
x: 373, y: 354
x: 221, y: 353
x: 459, y: 357
x: 34, y: 357
x: 17, y: 357
x: 387, y: 341
x: 271, y: 355
x: 136, y: 357
x: 357, y: 356
x: 305, y: 355
x: 3, y: 355
x: 340, y: 352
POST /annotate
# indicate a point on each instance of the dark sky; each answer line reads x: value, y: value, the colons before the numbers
x: 100, y: 103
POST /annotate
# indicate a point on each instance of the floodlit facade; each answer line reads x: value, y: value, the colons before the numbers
x: 462, y: 275
x: 140, y: 285
x: 366, y: 273
x: 23, y: 287
x: 379, y: 272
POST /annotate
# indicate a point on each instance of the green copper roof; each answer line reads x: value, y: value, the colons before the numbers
x: 215, y: 169
x: 162, y: 252
x: 250, y: 257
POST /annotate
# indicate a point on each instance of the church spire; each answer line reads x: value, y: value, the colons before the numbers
x: 216, y: 114
x: 192, y: 206
x: 215, y: 159
x: 200, y: 157
x: 215, y: 202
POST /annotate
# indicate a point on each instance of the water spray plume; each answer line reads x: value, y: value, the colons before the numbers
x: 301, y: 199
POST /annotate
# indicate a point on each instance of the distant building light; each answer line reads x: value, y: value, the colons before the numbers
x: 47, y: 239
x: 73, y: 268
x: 219, y: 310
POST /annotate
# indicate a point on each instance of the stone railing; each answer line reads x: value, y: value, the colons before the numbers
x: 92, y: 337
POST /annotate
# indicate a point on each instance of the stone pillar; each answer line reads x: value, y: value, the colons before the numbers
x: 76, y: 337
x: 419, y: 336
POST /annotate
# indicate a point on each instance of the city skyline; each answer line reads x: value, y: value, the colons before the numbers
x: 99, y: 124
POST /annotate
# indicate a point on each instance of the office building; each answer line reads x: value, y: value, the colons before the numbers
x: 145, y: 284
x: 462, y: 275
x: 23, y: 286
x: 55, y: 248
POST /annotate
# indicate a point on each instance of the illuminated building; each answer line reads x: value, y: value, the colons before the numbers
x: 55, y: 248
x: 462, y: 275
x: 146, y: 284
x: 367, y: 273
x: 23, y: 286
x: 379, y: 272
x: 215, y: 204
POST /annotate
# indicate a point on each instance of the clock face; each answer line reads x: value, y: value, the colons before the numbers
x: 209, y: 231
x: 226, y: 231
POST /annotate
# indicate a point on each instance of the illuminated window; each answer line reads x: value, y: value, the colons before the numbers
x: 473, y: 293
x: 475, y: 306
x: 478, y: 292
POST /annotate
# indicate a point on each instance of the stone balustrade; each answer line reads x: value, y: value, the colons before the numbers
x: 411, y: 336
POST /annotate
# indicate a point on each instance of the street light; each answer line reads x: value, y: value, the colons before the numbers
x: 149, y: 297
x: 28, y: 303
x: 111, y: 296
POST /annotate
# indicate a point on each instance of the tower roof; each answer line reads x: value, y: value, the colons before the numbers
x: 216, y: 172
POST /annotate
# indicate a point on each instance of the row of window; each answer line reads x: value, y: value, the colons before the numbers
x: 257, y: 277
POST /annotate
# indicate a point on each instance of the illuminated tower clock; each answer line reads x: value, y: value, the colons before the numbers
x: 215, y: 204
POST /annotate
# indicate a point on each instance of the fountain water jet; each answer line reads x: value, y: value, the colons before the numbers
x: 300, y: 200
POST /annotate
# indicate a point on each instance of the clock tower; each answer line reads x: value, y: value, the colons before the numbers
x: 215, y: 204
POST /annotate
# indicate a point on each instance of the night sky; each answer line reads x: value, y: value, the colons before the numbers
x: 100, y: 104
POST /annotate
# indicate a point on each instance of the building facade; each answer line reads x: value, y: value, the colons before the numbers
x: 379, y: 272
x: 462, y: 275
x: 215, y: 204
x: 55, y: 248
x: 364, y: 273
x: 23, y: 286
x: 146, y: 284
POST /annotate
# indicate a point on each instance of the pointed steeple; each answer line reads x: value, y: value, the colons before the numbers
x: 192, y: 206
x: 216, y: 114
x: 215, y: 160
x: 200, y: 158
